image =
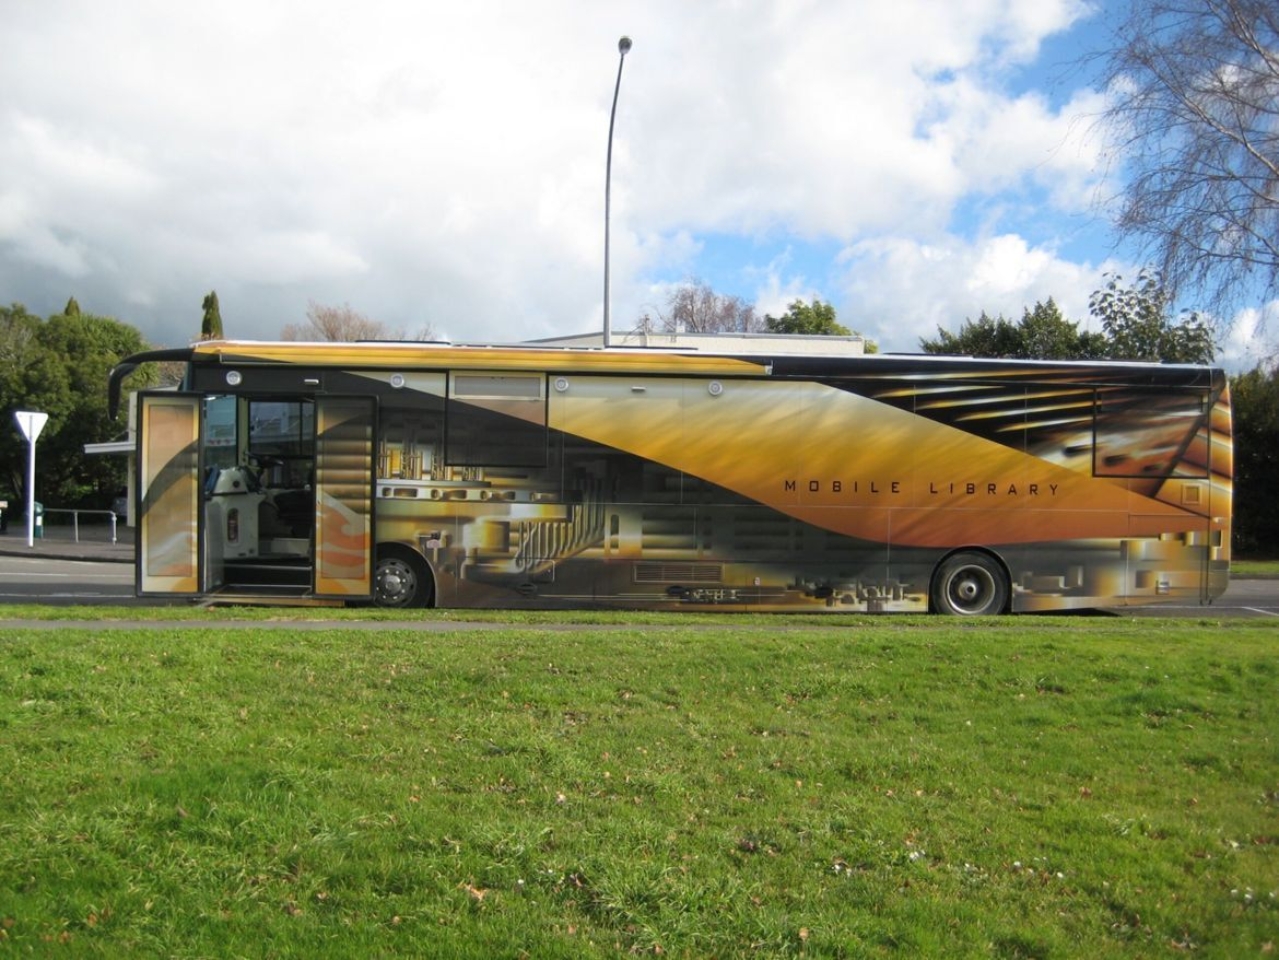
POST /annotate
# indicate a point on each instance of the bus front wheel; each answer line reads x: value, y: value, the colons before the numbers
x: 402, y: 579
x: 970, y: 584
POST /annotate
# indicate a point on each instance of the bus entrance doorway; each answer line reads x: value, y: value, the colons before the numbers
x: 259, y: 495
x: 256, y: 497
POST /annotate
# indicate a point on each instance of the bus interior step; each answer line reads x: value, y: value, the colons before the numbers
x: 268, y: 574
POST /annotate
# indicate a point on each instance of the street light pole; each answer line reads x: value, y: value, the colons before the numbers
x: 623, y: 48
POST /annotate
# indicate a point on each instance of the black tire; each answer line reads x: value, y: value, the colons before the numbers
x: 401, y: 579
x: 970, y: 585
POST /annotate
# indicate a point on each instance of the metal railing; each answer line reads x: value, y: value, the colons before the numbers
x: 75, y: 519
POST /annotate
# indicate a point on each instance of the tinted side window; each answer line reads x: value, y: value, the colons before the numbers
x: 496, y: 420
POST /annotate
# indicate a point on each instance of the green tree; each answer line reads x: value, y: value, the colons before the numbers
x: 811, y: 319
x: 60, y: 366
x: 1135, y: 322
x: 211, y: 327
x: 1043, y: 333
x: 984, y: 337
x: 1138, y: 324
x: 1255, y: 405
x: 816, y: 319
x: 1046, y: 334
x: 30, y: 379
x: 72, y: 309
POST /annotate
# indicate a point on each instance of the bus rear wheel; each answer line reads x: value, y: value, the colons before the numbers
x: 401, y: 579
x: 969, y: 585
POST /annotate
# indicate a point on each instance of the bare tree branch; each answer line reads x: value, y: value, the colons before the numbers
x: 693, y: 307
x: 343, y: 323
x: 1195, y: 112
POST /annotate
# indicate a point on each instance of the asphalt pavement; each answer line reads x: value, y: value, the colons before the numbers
x: 59, y: 543
x: 1251, y: 596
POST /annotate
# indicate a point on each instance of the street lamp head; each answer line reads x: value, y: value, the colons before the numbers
x: 624, y: 46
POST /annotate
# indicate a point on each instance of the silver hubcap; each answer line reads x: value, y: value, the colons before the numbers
x: 396, y: 583
x: 971, y: 589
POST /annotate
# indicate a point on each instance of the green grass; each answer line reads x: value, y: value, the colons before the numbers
x: 1046, y: 787
x: 1267, y: 569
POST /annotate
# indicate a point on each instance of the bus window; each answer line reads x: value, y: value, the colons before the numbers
x: 1143, y: 433
x: 496, y: 421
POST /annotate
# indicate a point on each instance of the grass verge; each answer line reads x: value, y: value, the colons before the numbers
x: 1016, y: 788
x: 1260, y: 569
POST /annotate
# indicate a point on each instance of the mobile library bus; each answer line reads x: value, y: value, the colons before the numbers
x: 415, y: 474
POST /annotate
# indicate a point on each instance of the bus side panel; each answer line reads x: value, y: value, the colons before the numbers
x: 168, y: 525
x: 344, y: 497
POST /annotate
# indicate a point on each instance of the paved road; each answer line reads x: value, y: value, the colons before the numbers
x: 50, y: 573
x: 1243, y: 598
x: 56, y: 581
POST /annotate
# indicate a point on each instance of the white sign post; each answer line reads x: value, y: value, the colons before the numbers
x: 31, y: 423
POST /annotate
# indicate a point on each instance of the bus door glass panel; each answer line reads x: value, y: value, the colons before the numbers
x: 218, y: 448
x: 169, y: 494
x: 344, y: 463
x: 220, y: 433
x: 281, y: 457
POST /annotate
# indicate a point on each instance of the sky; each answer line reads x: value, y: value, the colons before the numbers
x: 442, y: 164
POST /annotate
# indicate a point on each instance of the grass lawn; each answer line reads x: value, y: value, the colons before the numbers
x: 1023, y: 787
x: 1268, y: 569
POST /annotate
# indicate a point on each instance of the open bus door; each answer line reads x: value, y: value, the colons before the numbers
x: 169, y: 494
x: 343, y: 497
x: 197, y: 538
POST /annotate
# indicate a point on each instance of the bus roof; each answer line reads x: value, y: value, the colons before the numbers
x: 650, y: 360
x: 473, y: 356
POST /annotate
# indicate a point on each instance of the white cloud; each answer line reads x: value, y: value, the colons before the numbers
x: 782, y: 281
x: 1003, y: 144
x: 1250, y: 338
x: 897, y: 290
x: 444, y: 162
